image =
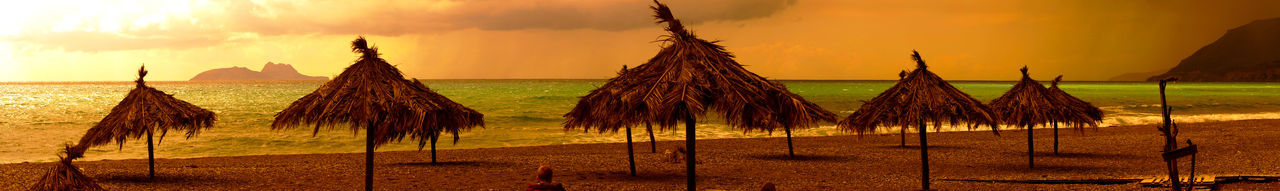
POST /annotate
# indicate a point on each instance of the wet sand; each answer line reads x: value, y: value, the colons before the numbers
x: 872, y: 162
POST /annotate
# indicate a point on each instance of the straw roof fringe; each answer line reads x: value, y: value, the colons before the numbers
x: 1076, y: 105
x: 688, y: 77
x: 64, y: 176
x: 147, y: 109
x: 370, y: 94
x: 920, y: 96
x: 794, y: 112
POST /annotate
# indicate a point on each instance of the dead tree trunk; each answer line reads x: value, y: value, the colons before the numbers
x: 1170, y: 136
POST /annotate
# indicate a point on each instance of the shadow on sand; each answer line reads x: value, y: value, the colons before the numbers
x: 917, y: 147
x: 623, y: 176
x: 785, y: 157
x: 1091, y: 155
x: 160, y: 179
x: 1046, y: 168
x: 457, y: 163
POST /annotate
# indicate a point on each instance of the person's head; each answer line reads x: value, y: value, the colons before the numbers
x: 768, y: 187
x: 544, y: 173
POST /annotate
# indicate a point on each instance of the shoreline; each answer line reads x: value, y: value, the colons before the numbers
x: 827, y: 129
x: 822, y: 163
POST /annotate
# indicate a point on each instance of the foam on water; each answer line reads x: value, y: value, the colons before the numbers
x: 36, y: 119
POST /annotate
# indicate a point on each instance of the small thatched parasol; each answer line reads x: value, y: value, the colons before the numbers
x: 371, y: 95
x: 64, y: 176
x: 1093, y: 114
x: 453, y: 118
x: 688, y: 77
x: 794, y: 112
x: 1028, y: 104
x: 918, y: 99
x: 143, y: 111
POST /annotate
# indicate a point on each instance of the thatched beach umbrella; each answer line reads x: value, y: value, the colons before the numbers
x: 143, y: 111
x: 452, y: 118
x: 605, y: 100
x: 919, y: 99
x: 688, y: 77
x: 371, y: 95
x: 1092, y: 115
x: 902, y: 132
x: 64, y: 176
x: 793, y: 112
x: 1026, y: 105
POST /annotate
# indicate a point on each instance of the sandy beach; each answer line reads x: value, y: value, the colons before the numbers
x: 871, y: 162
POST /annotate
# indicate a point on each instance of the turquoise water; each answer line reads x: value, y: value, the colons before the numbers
x: 36, y: 119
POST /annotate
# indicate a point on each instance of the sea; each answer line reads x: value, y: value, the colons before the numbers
x: 37, y: 119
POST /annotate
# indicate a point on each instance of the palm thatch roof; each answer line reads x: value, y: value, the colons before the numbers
x: 370, y: 94
x: 64, y: 176
x: 1029, y: 103
x: 1093, y: 113
x: 687, y: 78
x: 919, y: 97
x: 452, y: 118
x: 146, y: 109
x: 794, y: 112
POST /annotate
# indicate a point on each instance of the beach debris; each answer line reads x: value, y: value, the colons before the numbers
x: 671, y: 156
x: 1051, y: 181
x: 1200, y: 182
x: 920, y: 98
x: 686, y: 79
x: 143, y: 111
x: 373, y: 95
x: 64, y: 176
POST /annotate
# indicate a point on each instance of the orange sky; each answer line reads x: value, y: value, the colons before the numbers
x: 788, y: 39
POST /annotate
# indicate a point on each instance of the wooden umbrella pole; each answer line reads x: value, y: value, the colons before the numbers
x: 924, y: 157
x: 631, y: 153
x: 151, y: 157
x: 903, y: 134
x: 689, y: 159
x: 434, y: 137
x: 1031, y: 147
x: 653, y: 145
x: 368, y: 157
x: 1055, y: 135
x: 790, y: 150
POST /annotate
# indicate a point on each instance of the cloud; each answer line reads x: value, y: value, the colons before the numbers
x: 157, y: 25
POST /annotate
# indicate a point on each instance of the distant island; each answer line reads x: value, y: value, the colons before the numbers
x: 271, y: 71
x: 1249, y: 53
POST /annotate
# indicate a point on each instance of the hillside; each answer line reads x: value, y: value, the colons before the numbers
x: 271, y: 71
x: 1249, y: 53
